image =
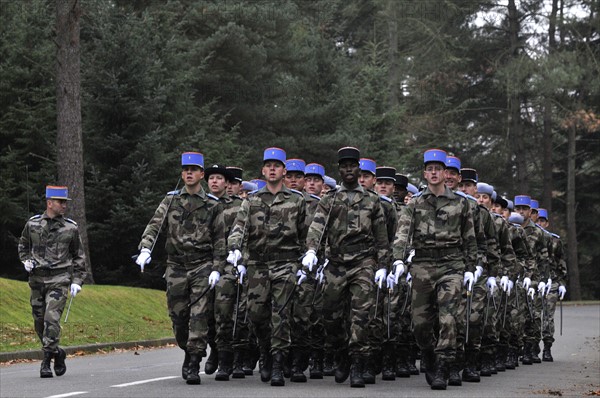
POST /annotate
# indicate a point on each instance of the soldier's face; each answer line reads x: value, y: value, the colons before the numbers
x: 408, y: 197
x: 468, y: 187
x: 366, y: 180
x: 385, y: 187
x: 434, y: 173
x: 543, y: 223
x: 233, y: 187
x: 496, y: 208
x: 192, y: 175
x: 525, y: 211
x: 217, y: 184
x: 56, y: 207
x: 399, y: 193
x: 349, y: 171
x: 534, y: 215
x: 505, y: 214
x: 484, y: 200
x: 294, y: 180
x: 273, y: 171
x: 452, y: 178
x: 313, y: 184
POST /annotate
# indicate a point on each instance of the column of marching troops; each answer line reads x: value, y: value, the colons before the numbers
x: 352, y: 280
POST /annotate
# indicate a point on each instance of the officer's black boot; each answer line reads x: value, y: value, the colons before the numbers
x: 508, y: 359
x: 277, y: 372
x: 527, y: 360
x: 328, y: 364
x: 45, y: 370
x: 238, y: 369
x: 225, y: 365
x: 389, y: 366
x: 298, y: 366
x: 357, y: 372
x: 412, y: 360
x: 343, y: 366
x: 546, y: 356
x: 535, y: 353
x: 368, y: 370
x: 60, y: 367
x: 186, y: 366
x: 403, y: 368
x: 212, y: 362
x: 486, y: 365
x: 316, y: 368
x: 265, y: 365
x: 454, y: 369
x: 428, y: 362
x: 193, y: 376
x: 493, y: 360
x: 470, y: 373
x: 438, y: 381
x: 501, y: 358
x: 250, y: 358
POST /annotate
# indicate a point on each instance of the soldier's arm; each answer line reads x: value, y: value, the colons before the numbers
x: 154, y: 226
x: 301, y: 224
x: 402, y: 239
x: 24, y: 246
x: 562, y: 272
x: 78, y: 258
x: 380, y: 233
x: 468, y: 237
x: 238, y: 234
x: 219, y: 239
x: 317, y: 227
x: 493, y: 250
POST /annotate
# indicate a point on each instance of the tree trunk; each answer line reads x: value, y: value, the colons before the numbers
x: 393, y: 71
x: 572, y: 260
x: 68, y: 109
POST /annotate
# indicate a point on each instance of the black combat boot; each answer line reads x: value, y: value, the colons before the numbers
x: 265, y: 365
x: 185, y: 367
x: 412, y: 360
x: 546, y: 356
x: 527, y: 360
x: 535, y: 352
x: 357, y: 372
x: 277, y: 378
x: 193, y: 376
x: 316, y: 367
x: 328, y: 364
x: 298, y: 366
x: 225, y: 365
x: 428, y: 362
x: 501, y: 358
x: 343, y: 366
x: 212, y: 362
x: 45, y: 370
x: 509, y: 362
x: 438, y: 381
x: 486, y: 365
x: 250, y: 358
x: 470, y: 373
x: 369, y: 370
x: 454, y: 378
x: 403, y: 368
x: 60, y: 367
x: 238, y: 369
x: 389, y: 366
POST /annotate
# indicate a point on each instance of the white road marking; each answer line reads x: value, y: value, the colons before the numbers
x: 143, y: 381
x: 69, y: 394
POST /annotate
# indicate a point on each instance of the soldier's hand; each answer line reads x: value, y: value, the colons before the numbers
x: 411, y: 254
x: 468, y: 280
x: 75, y: 288
x: 301, y: 276
x: 29, y: 265
x: 541, y: 288
x: 241, y: 272
x: 390, y: 280
x: 491, y: 284
x: 478, y: 272
x: 234, y: 256
x: 562, y: 291
x: 504, y: 282
x: 408, y: 277
x: 143, y: 258
x: 548, y: 286
x: 213, y: 279
x: 531, y: 292
x: 526, y: 283
x: 398, y: 270
x: 309, y: 260
x: 380, y: 276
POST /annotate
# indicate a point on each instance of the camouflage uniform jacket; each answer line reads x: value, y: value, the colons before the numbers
x: 312, y: 202
x: 510, y: 267
x: 559, y: 273
x: 231, y: 206
x: 272, y: 225
x: 195, y: 228
x: 519, y: 244
x: 54, y: 243
x: 355, y: 227
x: 391, y: 217
x: 480, y: 236
x: 491, y: 236
x: 439, y: 225
x: 538, y: 249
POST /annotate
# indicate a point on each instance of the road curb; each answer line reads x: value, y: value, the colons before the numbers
x: 38, y: 354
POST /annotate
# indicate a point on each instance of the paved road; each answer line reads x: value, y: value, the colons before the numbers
x: 155, y: 372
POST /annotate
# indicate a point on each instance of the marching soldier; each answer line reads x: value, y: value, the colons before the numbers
x: 51, y: 251
x: 195, y: 247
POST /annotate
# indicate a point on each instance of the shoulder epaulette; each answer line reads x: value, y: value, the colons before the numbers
x: 332, y: 191
x: 71, y: 221
x: 312, y: 195
x: 417, y: 194
x: 36, y: 217
x: 176, y: 192
x: 496, y: 215
x: 555, y: 235
x: 296, y: 192
x: 385, y: 198
x: 213, y: 197
x: 461, y: 193
x: 253, y: 192
x: 371, y: 191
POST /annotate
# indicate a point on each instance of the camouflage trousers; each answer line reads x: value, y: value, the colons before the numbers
x: 533, y: 326
x: 224, y: 308
x: 184, y: 284
x: 518, y: 312
x: 504, y: 323
x: 550, y: 309
x: 405, y: 337
x: 302, y: 315
x: 436, y: 300
x: 242, y: 337
x: 489, y: 337
x: 477, y: 317
x: 48, y: 298
x: 269, y: 286
x: 348, y: 307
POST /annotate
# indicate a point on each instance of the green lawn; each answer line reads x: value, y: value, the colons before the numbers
x: 99, y: 314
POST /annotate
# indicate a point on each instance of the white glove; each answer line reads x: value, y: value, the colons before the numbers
x: 478, y: 272
x: 29, y: 265
x: 143, y: 258
x: 241, y: 272
x: 468, y: 280
x: 408, y: 277
x: 504, y: 282
x: 391, y: 280
x: 301, y: 276
x: 491, y: 284
x: 531, y: 292
x: 213, y: 278
x: 510, y: 287
x: 380, y: 277
x: 234, y: 256
x: 562, y: 291
x: 398, y: 267
x: 526, y: 283
x: 75, y: 288
x: 541, y: 288
x: 548, y: 286
x: 309, y: 260
x: 411, y: 254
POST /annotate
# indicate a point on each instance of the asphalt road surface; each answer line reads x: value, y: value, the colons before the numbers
x: 156, y: 373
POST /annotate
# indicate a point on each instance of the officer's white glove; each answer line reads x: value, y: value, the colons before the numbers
x: 75, y: 288
x: 531, y: 292
x: 411, y: 254
x: 408, y: 277
x: 29, y: 265
x: 398, y: 270
x: 380, y: 277
x: 548, y: 286
x: 468, y: 280
x: 526, y: 283
x: 491, y: 284
x: 213, y: 279
x: 143, y: 258
x: 541, y: 288
x: 504, y: 282
x: 241, y: 272
x: 562, y: 291
x: 309, y: 260
x: 391, y: 280
x: 510, y: 287
x: 301, y: 276
x: 234, y: 256
x: 478, y: 272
